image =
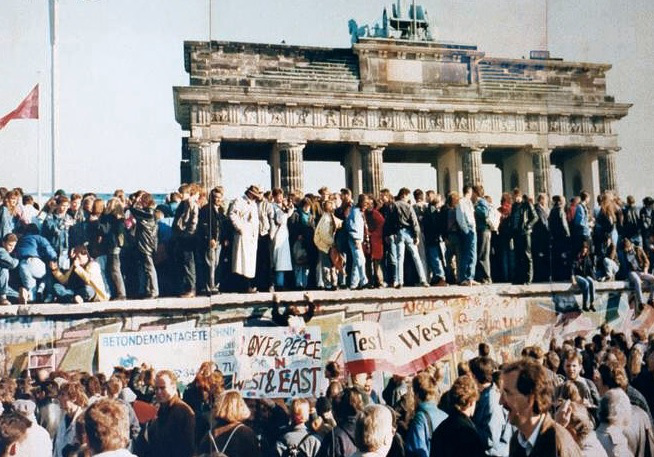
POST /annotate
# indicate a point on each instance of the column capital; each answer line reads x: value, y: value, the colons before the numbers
x: 372, y: 146
x: 543, y: 153
x: 290, y: 144
x: 194, y: 142
x: 609, y: 151
x: 475, y: 147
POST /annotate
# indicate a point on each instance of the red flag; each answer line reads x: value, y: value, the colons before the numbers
x: 28, y: 108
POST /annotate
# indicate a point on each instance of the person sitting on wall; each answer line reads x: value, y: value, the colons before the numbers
x: 82, y: 282
x: 294, y: 314
x: 7, y: 262
x: 32, y: 251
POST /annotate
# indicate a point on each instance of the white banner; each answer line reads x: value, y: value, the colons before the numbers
x: 179, y: 350
x: 364, y: 347
x: 403, y: 346
x: 279, y: 362
x: 418, y: 341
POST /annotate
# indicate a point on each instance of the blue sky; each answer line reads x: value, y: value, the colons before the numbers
x: 119, y: 59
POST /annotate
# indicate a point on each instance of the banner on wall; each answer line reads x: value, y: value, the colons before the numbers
x: 403, y: 346
x: 416, y: 342
x: 278, y: 362
x: 179, y: 350
x: 364, y: 347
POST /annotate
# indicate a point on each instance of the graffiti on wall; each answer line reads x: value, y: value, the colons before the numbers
x: 508, y: 323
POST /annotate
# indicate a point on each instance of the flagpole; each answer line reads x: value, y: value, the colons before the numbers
x: 54, y: 115
x: 38, y: 154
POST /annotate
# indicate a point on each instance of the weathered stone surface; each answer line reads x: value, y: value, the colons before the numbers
x: 406, y: 95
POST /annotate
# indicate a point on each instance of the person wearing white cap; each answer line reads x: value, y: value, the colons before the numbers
x: 37, y: 442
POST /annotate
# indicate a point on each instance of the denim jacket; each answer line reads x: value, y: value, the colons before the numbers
x: 492, y: 422
x: 418, y: 439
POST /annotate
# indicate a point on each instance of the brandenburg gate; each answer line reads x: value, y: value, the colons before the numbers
x: 393, y: 99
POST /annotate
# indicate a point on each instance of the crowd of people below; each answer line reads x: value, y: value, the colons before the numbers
x: 81, y: 248
x: 580, y: 398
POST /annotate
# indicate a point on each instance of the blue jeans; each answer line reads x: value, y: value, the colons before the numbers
x: 636, y: 279
x: 404, y: 240
x: 435, y: 262
x: 468, y: 256
x: 587, y: 287
x: 66, y: 295
x: 301, y: 276
x: 390, y: 257
x: 358, y: 278
x: 279, y: 279
x: 5, y: 288
x: 31, y: 271
x: 611, y: 267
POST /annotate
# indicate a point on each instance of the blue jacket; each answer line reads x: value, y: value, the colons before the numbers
x: 580, y: 221
x: 418, y: 438
x: 55, y: 229
x: 35, y: 246
x: 492, y: 423
x: 482, y: 210
x: 355, y: 224
x: 7, y: 222
x: 6, y: 260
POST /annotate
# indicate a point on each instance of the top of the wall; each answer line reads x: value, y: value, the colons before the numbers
x: 219, y: 302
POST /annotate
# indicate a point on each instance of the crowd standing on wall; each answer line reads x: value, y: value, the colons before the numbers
x: 80, y: 248
x: 580, y: 398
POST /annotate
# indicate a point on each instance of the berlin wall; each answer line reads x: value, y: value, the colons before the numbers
x: 178, y: 334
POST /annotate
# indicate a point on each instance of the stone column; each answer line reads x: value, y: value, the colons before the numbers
x: 607, y: 170
x: 205, y: 163
x: 372, y: 161
x: 291, y: 166
x: 353, y: 173
x: 471, y: 164
x: 542, y: 171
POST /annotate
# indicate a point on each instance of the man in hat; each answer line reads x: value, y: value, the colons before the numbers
x: 244, y: 215
x: 37, y: 442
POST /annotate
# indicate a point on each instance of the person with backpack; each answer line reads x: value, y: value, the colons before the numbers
x: 427, y: 417
x: 230, y: 437
x: 340, y: 441
x: 298, y: 441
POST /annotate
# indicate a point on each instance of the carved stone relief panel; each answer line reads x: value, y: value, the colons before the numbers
x: 277, y: 115
x: 532, y: 123
x: 576, y: 124
x: 220, y: 113
x: 249, y: 115
x: 435, y: 121
x: 553, y: 123
x: 564, y: 124
x: 386, y: 119
x: 484, y: 122
x: 597, y: 124
x: 358, y: 118
x: 505, y: 123
x: 332, y: 117
x: 303, y: 116
x: 461, y: 122
x: 408, y: 120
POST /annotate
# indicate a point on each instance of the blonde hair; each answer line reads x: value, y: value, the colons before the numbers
x: 231, y: 407
x: 114, y: 206
x: 374, y: 428
x: 300, y: 410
